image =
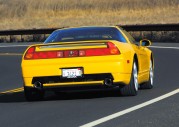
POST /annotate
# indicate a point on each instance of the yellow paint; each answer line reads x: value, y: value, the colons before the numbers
x: 13, y: 90
x: 74, y: 83
x: 117, y: 65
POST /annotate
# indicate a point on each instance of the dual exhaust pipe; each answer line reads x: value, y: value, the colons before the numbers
x: 107, y: 82
x: 38, y: 85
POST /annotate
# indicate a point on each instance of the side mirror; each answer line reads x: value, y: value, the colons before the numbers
x: 145, y: 42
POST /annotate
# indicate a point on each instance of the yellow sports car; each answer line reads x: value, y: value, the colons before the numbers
x: 87, y: 58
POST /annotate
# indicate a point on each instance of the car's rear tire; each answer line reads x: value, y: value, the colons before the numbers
x: 149, y: 83
x: 32, y: 94
x: 132, y: 88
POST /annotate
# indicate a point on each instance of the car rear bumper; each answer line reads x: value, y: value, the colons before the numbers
x: 96, y: 71
x: 78, y: 87
x: 57, y: 82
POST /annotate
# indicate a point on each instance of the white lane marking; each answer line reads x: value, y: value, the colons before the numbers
x: 115, y: 115
x: 163, y: 47
x: 14, y: 46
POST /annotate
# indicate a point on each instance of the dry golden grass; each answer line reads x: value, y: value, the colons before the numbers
x: 23, y: 14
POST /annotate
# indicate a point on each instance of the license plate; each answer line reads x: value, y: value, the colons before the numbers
x: 72, y: 73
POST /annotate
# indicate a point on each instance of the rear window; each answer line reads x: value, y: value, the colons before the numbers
x: 85, y: 34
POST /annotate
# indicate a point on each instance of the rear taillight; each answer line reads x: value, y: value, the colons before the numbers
x: 111, y: 49
x: 30, y: 53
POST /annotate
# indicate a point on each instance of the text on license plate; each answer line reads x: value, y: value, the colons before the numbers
x: 72, y: 73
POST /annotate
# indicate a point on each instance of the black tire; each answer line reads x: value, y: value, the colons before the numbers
x: 132, y: 88
x: 149, y: 83
x: 32, y: 94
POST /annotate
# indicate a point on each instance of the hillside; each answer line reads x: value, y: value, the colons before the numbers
x: 22, y: 14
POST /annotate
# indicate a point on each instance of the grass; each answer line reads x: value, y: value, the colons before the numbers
x: 24, y: 14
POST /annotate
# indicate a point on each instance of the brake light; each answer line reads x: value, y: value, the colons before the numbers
x: 111, y: 49
x: 82, y: 53
x: 29, y: 53
x: 60, y: 54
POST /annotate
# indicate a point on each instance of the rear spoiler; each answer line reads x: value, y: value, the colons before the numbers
x: 74, y: 43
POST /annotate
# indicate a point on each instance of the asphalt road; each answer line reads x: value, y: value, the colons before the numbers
x: 79, y: 108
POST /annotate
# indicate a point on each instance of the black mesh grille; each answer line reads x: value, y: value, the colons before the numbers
x: 59, y: 79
